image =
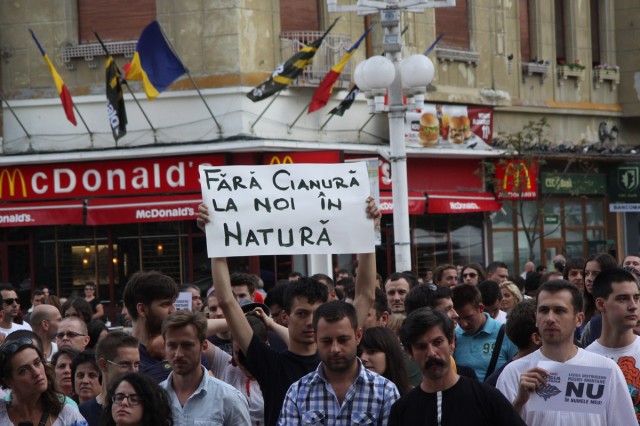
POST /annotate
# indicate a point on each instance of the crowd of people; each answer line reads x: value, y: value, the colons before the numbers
x: 459, y: 345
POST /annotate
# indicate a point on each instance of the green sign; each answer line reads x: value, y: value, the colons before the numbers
x: 551, y: 219
x: 624, y: 183
x: 573, y: 183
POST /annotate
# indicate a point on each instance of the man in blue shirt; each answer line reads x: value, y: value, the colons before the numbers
x: 477, y: 334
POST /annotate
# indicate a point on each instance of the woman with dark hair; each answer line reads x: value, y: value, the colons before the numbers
x: 77, y: 307
x: 381, y: 353
x: 473, y: 273
x: 96, y: 330
x: 33, y: 397
x: 593, y: 266
x: 136, y: 400
x: 86, y: 376
x: 91, y: 296
x: 63, y: 377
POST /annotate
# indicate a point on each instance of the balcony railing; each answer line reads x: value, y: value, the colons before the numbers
x: 329, y: 54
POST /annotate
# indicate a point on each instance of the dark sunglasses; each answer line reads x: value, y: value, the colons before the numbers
x: 12, y: 346
x: 469, y: 274
x: 11, y: 301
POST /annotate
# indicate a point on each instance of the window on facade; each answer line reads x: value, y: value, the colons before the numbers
x: 113, y: 20
x: 525, y: 38
x: 561, y: 48
x: 595, y: 32
x: 299, y: 15
x: 454, y: 22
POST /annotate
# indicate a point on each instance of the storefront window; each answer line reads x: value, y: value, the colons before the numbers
x: 575, y: 244
x: 503, y: 248
x: 504, y: 217
x: 573, y: 213
x: 552, y: 219
x: 595, y: 212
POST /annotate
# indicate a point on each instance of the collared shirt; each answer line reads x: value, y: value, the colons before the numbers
x: 213, y: 403
x: 475, y: 350
x: 311, y: 400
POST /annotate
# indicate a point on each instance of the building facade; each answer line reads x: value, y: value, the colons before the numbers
x: 77, y: 205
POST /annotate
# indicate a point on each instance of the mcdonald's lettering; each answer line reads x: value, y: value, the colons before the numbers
x: 517, y: 179
x: 515, y: 171
x: 11, y: 177
x: 285, y: 160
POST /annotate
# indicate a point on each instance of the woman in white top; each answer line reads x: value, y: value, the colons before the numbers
x: 33, y: 396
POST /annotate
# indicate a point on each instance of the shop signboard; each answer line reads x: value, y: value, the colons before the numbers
x: 516, y: 179
x: 302, y: 157
x: 573, y: 183
x: 624, y: 183
x: 456, y: 127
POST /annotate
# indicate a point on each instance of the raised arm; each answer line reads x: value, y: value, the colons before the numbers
x: 238, y: 324
x: 366, y: 276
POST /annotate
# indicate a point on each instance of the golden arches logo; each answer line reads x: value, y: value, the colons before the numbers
x: 12, y: 177
x: 516, y: 170
x: 286, y: 160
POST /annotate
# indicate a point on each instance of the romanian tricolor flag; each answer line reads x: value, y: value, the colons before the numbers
x: 154, y: 62
x: 65, y: 96
x: 289, y: 71
x: 323, y: 92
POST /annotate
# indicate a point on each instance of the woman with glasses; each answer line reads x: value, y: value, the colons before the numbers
x: 33, y: 397
x: 136, y: 400
x: 473, y: 273
x: 90, y: 290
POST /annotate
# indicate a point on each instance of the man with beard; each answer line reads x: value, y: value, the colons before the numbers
x: 341, y: 391
x: 427, y: 335
x: 196, y: 397
x: 149, y: 298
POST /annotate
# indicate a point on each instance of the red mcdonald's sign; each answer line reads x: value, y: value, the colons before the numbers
x: 517, y: 179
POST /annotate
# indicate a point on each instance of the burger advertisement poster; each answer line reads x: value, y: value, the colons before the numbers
x: 450, y: 127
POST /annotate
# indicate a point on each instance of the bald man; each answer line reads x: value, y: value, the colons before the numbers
x: 45, y: 320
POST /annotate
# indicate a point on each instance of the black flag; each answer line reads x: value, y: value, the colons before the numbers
x: 346, y: 102
x: 115, y: 101
x: 286, y: 73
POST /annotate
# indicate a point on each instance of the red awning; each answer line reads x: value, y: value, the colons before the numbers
x: 417, y: 202
x: 462, y: 202
x: 111, y: 211
x: 39, y: 214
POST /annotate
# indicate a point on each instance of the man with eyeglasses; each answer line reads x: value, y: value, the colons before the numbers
x: 11, y: 310
x: 45, y: 321
x: 72, y: 333
x: 117, y: 354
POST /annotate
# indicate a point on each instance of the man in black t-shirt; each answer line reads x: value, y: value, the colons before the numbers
x: 444, y: 397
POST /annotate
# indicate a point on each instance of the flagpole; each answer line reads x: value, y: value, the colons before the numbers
x: 326, y: 122
x: 265, y: 110
x: 365, y: 124
x: 192, y: 81
x: 83, y: 122
x: 289, y: 127
x: 15, y: 115
x: 144, y: 114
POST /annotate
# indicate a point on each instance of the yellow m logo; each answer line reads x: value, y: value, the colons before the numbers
x: 12, y: 177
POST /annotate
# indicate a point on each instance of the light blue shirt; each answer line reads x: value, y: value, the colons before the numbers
x: 213, y: 403
x: 475, y: 350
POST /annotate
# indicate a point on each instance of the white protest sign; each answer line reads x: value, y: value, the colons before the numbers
x: 183, y: 301
x: 573, y: 388
x: 287, y: 209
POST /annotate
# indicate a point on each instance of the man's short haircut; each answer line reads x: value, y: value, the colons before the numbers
x: 306, y: 287
x: 240, y: 279
x: 184, y: 318
x: 37, y: 316
x: 326, y: 279
x: 294, y: 274
x: 187, y: 287
x: 603, y: 283
x: 532, y: 282
x: 490, y: 292
x: 420, y: 321
x: 257, y: 325
x: 36, y: 293
x: 439, y: 271
x: 466, y: 294
x: 410, y: 278
x: 573, y: 263
x: 7, y: 287
x: 335, y: 311
x: 145, y: 287
x: 492, y: 268
x: 78, y: 320
x: 380, y: 303
x: 275, y: 296
x: 522, y: 323
x: 440, y: 294
x: 420, y: 296
x: 108, y: 346
x: 555, y: 286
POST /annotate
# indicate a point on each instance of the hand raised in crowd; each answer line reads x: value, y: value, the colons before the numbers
x: 530, y: 381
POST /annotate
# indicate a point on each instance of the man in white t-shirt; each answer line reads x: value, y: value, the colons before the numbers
x: 617, y: 296
x: 558, y: 313
x: 11, y: 308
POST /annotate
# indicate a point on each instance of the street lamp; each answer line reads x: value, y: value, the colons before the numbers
x: 389, y: 74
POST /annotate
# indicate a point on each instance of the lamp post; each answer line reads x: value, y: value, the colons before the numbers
x: 390, y: 74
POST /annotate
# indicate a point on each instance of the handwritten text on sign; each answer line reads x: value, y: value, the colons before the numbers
x: 287, y: 209
x: 572, y: 388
